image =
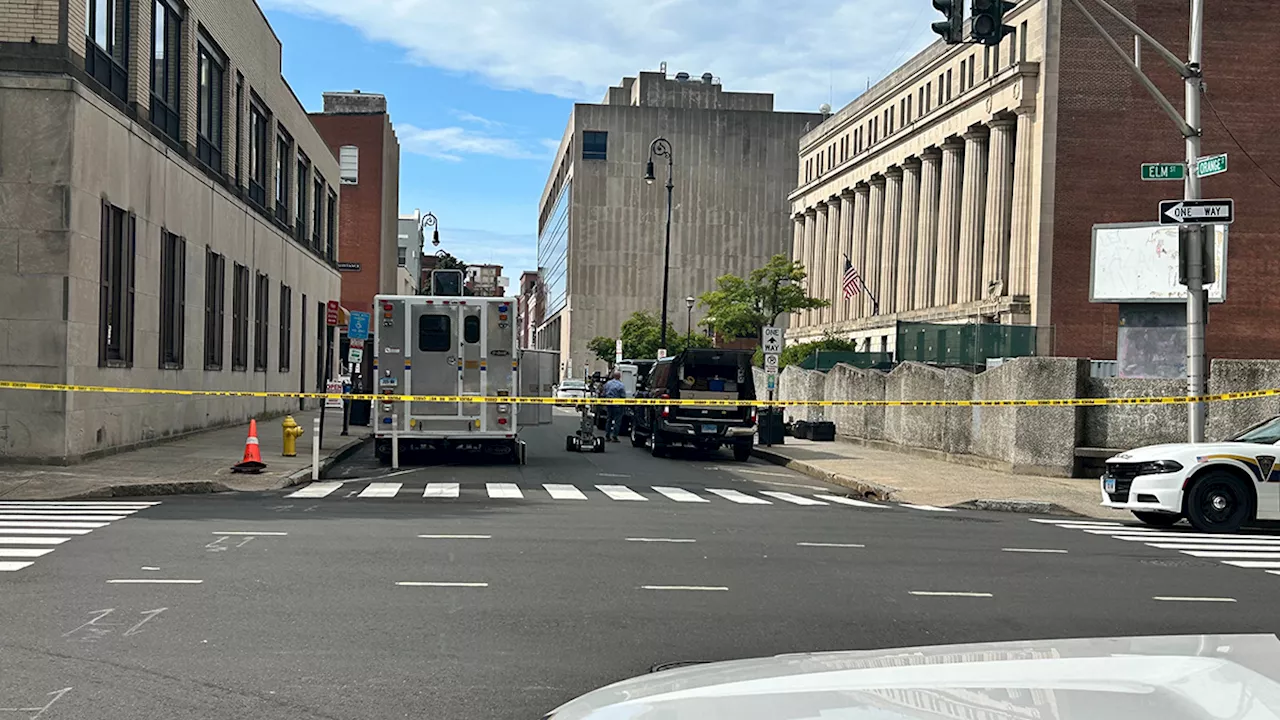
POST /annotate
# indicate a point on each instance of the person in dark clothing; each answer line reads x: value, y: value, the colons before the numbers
x: 613, y: 389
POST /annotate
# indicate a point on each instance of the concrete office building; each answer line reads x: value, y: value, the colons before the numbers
x: 409, y: 240
x: 359, y: 132
x: 965, y: 185
x: 601, y: 227
x: 166, y: 221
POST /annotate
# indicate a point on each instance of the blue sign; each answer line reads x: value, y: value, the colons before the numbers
x: 358, y: 326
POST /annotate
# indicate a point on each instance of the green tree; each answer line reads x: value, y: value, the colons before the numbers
x: 796, y: 354
x: 449, y: 262
x: 742, y: 307
x: 641, y: 337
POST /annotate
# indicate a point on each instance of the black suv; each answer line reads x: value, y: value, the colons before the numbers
x: 698, y: 374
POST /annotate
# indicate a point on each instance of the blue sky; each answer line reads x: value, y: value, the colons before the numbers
x: 480, y: 91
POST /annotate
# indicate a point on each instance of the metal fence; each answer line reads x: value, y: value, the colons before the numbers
x: 824, y: 360
x: 971, y: 344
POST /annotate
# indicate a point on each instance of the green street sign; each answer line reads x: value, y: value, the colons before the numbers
x: 1164, y: 171
x: 1211, y: 165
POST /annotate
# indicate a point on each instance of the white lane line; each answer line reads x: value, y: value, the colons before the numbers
x: 564, y: 492
x: 1198, y: 546
x: 455, y: 537
x: 441, y: 490
x: 1053, y: 521
x: 32, y: 540
x: 748, y: 471
x: 679, y: 494
x: 613, y: 475
x: 42, y: 531
x: 79, y: 505
x: 14, y: 566
x: 1033, y: 550
x: 849, y: 501
x: 149, y: 567
x: 793, y: 499
x: 928, y: 508
x: 315, y: 490
x: 408, y: 583
x: 1174, y: 598
x: 661, y: 540
x: 696, y: 588
x: 248, y: 532
x: 24, y: 552
x: 1262, y: 564
x: 503, y: 490
x: 56, y: 518
x: 1206, y: 539
x: 829, y: 545
x: 5, y: 524
x: 381, y: 490
x: 620, y: 492
x: 740, y: 498
x: 397, y: 473
x: 153, y: 581
x: 1235, y: 554
x: 936, y: 593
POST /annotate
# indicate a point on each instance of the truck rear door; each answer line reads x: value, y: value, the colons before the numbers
x: 434, y: 365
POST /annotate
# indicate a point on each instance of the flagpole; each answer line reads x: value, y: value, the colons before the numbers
x: 875, y: 303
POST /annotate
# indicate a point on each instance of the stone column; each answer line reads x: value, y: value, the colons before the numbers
x: 999, y: 210
x: 831, y: 272
x: 861, y: 214
x: 844, y: 308
x: 927, y: 252
x: 973, y: 206
x: 889, y: 241
x: 810, y: 224
x: 797, y: 253
x: 875, y: 223
x: 817, y: 274
x: 1020, y: 245
x: 952, y: 180
x: 907, y: 236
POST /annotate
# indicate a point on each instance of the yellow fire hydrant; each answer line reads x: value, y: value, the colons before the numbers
x: 292, y: 431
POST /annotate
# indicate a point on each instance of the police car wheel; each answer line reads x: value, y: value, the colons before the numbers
x: 1218, y: 502
x: 1156, y: 519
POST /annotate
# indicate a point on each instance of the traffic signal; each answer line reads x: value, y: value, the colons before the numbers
x: 988, y: 21
x: 951, y: 28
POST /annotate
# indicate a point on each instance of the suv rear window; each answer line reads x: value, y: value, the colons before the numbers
x: 434, y: 333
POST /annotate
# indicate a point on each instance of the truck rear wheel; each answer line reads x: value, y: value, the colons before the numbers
x: 742, y: 451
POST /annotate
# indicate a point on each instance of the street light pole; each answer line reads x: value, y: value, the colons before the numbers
x: 662, y: 148
x: 429, y: 221
x: 688, y: 340
x: 1197, y: 302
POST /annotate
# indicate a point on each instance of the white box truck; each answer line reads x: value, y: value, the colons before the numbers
x: 446, y: 346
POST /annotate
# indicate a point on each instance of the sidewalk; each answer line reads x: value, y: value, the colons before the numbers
x: 903, y: 477
x: 197, y: 463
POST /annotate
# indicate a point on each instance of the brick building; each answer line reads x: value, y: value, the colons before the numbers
x: 529, y: 303
x: 359, y: 132
x: 964, y: 187
x: 167, y: 216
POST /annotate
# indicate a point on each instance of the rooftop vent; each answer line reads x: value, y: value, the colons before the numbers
x: 708, y: 78
x: 682, y: 77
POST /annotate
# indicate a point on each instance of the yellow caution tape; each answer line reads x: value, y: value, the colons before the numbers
x: 1061, y: 402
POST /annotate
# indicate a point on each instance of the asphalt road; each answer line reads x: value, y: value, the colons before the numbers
x: 345, y: 606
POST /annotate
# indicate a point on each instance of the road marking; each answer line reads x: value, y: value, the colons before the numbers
x: 613, y: 475
x: 156, y: 581
x: 564, y: 492
x: 381, y: 490
x: 620, y: 492
x: 740, y: 498
x: 679, y: 494
x: 661, y: 540
x: 709, y: 588
x: 829, y: 545
x: 455, y: 537
x: 1033, y: 550
x: 132, y: 507
x: 1224, y: 546
x: 1236, y: 554
x: 14, y: 566
x: 849, y: 501
x: 443, y: 584
x: 397, y: 473
x: 1253, y: 563
x: 149, y: 567
x: 55, y: 518
x: 933, y: 593
x: 52, y: 524
x: 40, y: 530
x: 929, y: 508
x: 441, y: 490
x: 24, y: 552
x: 249, y: 532
x: 1052, y: 521
x: 793, y: 499
x: 503, y: 490
x: 1174, y: 598
x: 315, y: 490
x: 1206, y: 538
x: 748, y: 471
x: 32, y: 540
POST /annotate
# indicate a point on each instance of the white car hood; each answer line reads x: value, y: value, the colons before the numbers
x: 1152, y: 678
x: 1188, y: 454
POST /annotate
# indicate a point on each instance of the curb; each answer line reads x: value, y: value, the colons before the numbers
x: 342, y: 453
x: 868, y: 490
x: 1028, y: 507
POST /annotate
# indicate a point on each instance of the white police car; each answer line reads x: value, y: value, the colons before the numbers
x: 1217, y: 487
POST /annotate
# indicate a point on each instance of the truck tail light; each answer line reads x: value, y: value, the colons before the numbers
x: 502, y: 421
x: 666, y: 411
x: 754, y: 417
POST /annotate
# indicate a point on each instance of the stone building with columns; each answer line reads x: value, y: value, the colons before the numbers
x: 964, y: 186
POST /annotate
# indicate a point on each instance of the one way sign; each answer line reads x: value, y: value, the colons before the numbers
x: 1191, y: 212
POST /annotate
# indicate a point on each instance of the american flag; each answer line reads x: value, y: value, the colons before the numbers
x: 852, y: 283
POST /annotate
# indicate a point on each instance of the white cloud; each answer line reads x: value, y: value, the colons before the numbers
x: 451, y: 143
x: 467, y: 117
x: 802, y: 50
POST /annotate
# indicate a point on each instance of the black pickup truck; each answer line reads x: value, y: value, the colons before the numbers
x: 698, y: 374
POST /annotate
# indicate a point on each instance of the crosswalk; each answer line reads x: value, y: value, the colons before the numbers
x: 1260, y: 552
x: 31, y: 530
x: 573, y: 493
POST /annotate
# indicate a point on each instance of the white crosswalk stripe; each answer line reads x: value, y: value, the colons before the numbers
x: 315, y: 490
x: 14, y: 566
x: 381, y: 490
x: 564, y: 492
x: 620, y: 492
x: 737, y: 497
x: 31, y: 530
x: 441, y: 490
x: 42, y: 530
x: 51, y: 524
x: 504, y: 490
x: 680, y: 494
x: 793, y: 499
x: 848, y: 501
x: 1252, y: 551
x: 928, y: 508
x: 83, y: 518
x: 24, y: 552
x: 32, y: 540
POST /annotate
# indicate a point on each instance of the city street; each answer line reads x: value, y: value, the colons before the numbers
x: 402, y: 595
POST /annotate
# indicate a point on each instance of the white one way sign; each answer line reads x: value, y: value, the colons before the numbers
x: 1190, y: 212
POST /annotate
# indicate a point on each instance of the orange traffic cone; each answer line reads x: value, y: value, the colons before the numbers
x: 252, y: 461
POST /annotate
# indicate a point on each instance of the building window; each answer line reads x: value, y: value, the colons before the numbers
x: 963, y: 65
x: 239, y: 111
x: 106, y: 56
x: 330, y: 226
x: 400, y: 255
x: 261, y: 326
x: 304, y: 192
x: 595, y: 145
x: 209, y: 110
x: 119, y: 242
x: 321, y: 356
x: 284, y: 149
x: 1022, y: 41
x: 166, y: 66
x: 928, y: 96
x: 317, y: 213
x: 907, y: 116
x: 349, y: 162
x: 973, y: 61
x: 173, y: 304
x: 948, y: 85
x: 941, y: 90
x: 258, y: 121
x: 286, y: 326
x: 240, y: 318
x: 995, y: 52
x: 986, y: 62
x: 215, y: 278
